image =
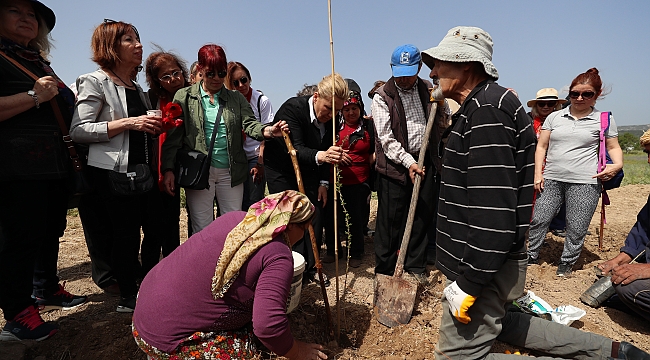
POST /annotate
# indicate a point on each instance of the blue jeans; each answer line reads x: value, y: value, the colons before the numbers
x: 253, y: 192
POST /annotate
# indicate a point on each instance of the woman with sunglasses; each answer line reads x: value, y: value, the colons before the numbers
x: 239, y: 78
x: 566, y: 163
x: 545, y: 102
x: 228, y: 171
x: 111, y: 116
x: 166, y: 73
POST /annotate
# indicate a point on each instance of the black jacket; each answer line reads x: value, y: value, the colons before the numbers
x: 305, y: 138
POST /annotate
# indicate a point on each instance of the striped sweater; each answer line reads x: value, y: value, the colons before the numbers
x: 486, y: 191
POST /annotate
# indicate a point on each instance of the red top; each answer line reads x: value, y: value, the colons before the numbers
x: 359, y: 151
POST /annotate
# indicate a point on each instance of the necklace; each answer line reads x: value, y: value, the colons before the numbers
x: 123, y: 82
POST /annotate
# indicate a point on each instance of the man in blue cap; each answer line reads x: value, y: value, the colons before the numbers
x: 400, y: 109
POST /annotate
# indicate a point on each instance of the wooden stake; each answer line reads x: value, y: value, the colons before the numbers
x: 336, y: 168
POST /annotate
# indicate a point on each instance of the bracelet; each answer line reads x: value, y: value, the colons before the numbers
x: 325, y: 184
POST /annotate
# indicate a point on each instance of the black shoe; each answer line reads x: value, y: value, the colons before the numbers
x: 126, y: 305
x: 421, y: 278
x: 60, y: 300
x: 532, y: 261
x: 313, y: 278
x: 28, y: 325
x: 629, y: 351
x: 560, y: 233
x: 564, y: 269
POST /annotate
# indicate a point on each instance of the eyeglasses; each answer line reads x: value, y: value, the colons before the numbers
x: 585, y: 95
x: 550, y: 104
x: 243, y: 81
x: 211, y: 74
x: 169, y: 77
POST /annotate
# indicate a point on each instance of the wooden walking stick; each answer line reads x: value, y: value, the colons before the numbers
x: 312, y: 235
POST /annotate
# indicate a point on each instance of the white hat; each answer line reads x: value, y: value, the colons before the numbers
x: 546, y: 94
x: 464, y: 44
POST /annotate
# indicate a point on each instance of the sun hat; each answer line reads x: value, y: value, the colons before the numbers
x: 464, y: 44
x: 405, y: 60
x: 45, y: 12
x: 546, y: 94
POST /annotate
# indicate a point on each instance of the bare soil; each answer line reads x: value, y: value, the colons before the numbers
x: 96, y: 331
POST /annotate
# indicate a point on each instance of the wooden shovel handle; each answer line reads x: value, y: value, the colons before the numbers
x: 399, y: 268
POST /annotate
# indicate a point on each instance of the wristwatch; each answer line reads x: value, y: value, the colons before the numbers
x: 32, y: 93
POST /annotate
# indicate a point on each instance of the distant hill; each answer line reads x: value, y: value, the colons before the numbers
x: 636, y: 130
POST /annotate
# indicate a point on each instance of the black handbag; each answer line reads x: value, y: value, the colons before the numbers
x: 136, y: 181
x: 192, y: 168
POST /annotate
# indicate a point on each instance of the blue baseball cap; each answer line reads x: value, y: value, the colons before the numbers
x: 405, y: 60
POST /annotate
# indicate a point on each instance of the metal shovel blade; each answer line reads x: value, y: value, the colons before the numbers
x: 394, y: 299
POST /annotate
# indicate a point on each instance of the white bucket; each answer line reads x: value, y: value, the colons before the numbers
x: 296, y: 282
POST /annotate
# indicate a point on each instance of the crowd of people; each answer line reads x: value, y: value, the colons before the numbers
x: 493, y: 179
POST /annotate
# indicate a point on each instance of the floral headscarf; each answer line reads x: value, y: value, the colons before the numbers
x: 265, y: 220
x: 354, y: 99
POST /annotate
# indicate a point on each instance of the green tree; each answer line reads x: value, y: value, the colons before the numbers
x: 628, y: 141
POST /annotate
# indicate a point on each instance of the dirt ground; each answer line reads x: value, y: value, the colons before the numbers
x: 96, y: 331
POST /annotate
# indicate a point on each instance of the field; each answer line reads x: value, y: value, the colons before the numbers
x: 96, y: 331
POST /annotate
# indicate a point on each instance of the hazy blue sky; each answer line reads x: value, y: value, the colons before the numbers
x: 286, y: 43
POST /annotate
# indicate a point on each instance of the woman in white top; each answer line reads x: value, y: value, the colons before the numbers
x: 569, y: 142
x: 239, y: 78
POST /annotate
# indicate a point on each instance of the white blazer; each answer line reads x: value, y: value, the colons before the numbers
x: 99, y: 101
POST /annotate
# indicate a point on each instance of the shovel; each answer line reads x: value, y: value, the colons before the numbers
x: 312, y: 235
x: 395, y: 295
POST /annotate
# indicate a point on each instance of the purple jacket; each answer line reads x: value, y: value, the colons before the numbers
x: 175, y: 300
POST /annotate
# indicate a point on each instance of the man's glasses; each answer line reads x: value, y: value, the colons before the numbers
x: 211, y: 74
x: 585, y: 95
x: 243, y: 81
x: 169, y: 77
x: 550, y: 104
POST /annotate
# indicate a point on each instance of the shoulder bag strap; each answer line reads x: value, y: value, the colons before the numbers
x: 214, y: 130
x: 76, y: 163
x: 602, y: 151
x: 259, y: 109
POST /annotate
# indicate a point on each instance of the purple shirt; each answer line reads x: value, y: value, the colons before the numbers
x: 175, y: 299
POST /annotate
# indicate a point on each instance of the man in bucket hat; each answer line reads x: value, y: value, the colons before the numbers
x: 484, y: 211
x: 400, y: 109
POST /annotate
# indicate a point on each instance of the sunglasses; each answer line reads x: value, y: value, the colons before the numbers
x: 168, y: 78
x: 243, y: 81
x: 550, y: 104
x: 211, y: 74
x: 585, y: 95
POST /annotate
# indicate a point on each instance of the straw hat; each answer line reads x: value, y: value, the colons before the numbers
x: 546, y: 94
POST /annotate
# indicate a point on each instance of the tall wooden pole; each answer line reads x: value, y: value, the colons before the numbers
x: 336, y: 168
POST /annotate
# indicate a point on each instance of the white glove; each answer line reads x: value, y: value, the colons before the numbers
x: 459, y: 302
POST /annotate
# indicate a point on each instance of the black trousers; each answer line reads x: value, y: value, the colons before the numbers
x: 278, y: 182
x: 32, y: 219
x: 392, y: 211
x: 113, y: 223
x: 356, y: 201
x: 161, y: 227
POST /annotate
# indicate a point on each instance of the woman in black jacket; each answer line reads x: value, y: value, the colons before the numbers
x: 34, y: 166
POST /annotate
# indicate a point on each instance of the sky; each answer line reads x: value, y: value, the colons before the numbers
x: 286, y: 43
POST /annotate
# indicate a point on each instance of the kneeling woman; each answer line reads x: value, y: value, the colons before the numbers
x: 186, y: 307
